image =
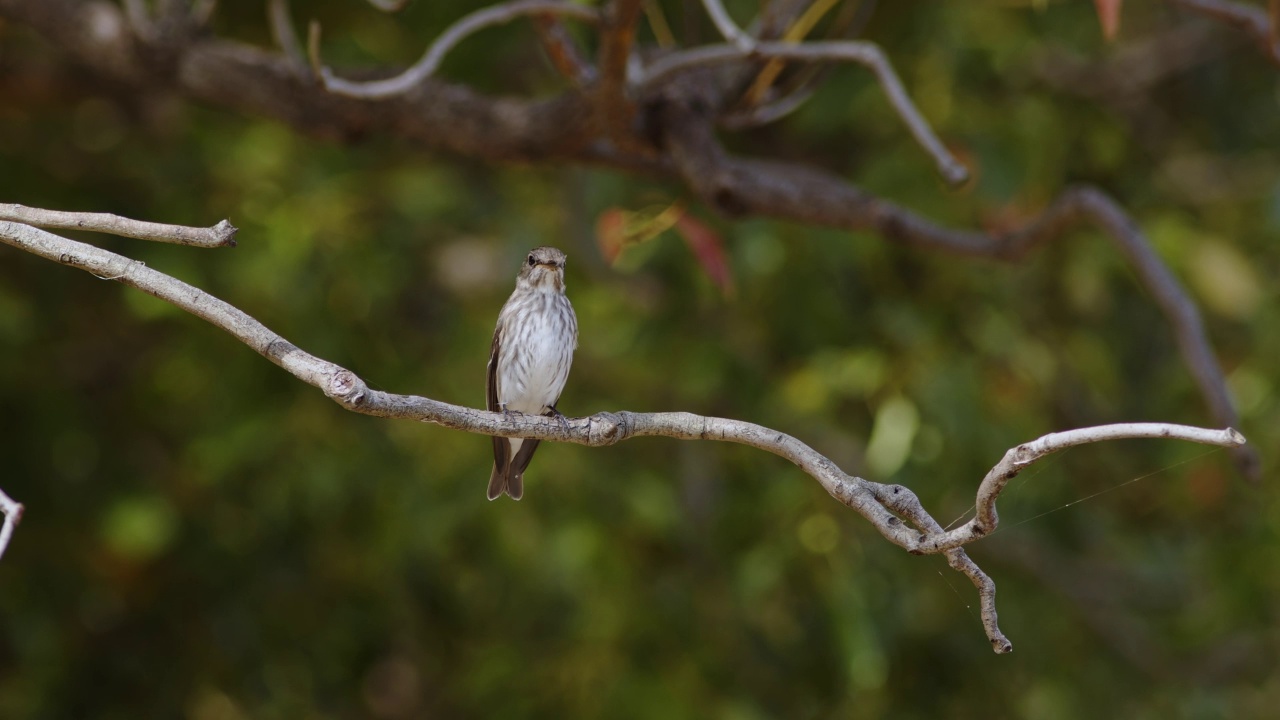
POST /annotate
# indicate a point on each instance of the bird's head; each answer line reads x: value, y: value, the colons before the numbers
x: 544, y: 269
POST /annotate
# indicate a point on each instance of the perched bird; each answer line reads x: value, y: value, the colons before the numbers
x: 529, y: 361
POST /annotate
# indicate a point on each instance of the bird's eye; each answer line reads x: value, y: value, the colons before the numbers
x: 532, y: 262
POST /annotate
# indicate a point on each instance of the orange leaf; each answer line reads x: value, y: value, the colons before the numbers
x: 1109, y: 16
x: 611, y: 233
x: 616, y: 229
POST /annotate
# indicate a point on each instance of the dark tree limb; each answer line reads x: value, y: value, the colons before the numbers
x: 666, y: 131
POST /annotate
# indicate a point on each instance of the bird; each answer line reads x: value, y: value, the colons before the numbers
x: 529, y: 360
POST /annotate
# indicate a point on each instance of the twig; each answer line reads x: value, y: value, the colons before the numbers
x: 389, y: 6
x: 563, y: 50
x: 611, y: 105
x: 1260, y: 24
x: 454, y: 34
x: 12, y: 516
x: 862, y: 53
x: 795, y: 33
x: 1273, y: 10
x: 727, y: 27
x: 771, y: 111
x: 1019, y: 458
x: 221, y: 235
x: 763, y: 103
x: 882, y: 505
x: 283, y: 33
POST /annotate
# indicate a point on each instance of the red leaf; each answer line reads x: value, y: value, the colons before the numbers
x: 1109, y: 16
x: 708, y: 248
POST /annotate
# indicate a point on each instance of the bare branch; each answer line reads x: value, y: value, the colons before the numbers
x: 882, y: 505
x: 862, y: 53
x: 727, y: 27
x: 221, y: 235
x: 283, y: 33
x: 1260, y: 24
x: 389, y: 6
x: 12, y: 516
x: 454, y: 34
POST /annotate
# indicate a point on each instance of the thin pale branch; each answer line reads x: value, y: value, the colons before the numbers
x: 727, y: 27
x: 12, y: 516
x: 862, y: 53
x: 882, y: 505
x: 389, y: 6
x: 986, y: 519
x: 283, y: 33
x: 221, y: 235
x: 454, y: 34
x: 1261, y: 25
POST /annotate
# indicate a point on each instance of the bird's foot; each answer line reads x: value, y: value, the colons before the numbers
x: 564, y: 419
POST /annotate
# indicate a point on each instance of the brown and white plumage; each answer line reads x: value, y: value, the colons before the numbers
x: 529, y: 360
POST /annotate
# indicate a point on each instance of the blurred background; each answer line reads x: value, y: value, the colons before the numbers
x: 208, y: 538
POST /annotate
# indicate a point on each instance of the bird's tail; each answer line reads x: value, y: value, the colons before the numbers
x: 505, y: 480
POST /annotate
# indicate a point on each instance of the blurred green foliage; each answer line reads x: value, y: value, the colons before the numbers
x: 208, y: 538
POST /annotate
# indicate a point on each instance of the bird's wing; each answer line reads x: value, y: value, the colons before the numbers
x: 491, y: 384
x: 501, y: 447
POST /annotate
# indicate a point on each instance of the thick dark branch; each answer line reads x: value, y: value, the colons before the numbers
x: 613, y: 105
x: 1261, y: 25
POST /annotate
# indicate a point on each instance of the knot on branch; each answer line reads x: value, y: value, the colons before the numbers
x: 346, y: 387
x: 607, y: 428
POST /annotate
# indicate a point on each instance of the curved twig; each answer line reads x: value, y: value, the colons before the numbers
x: 727, y: 27
x: 1019, y: 458
x: 563, y: 50
x: 12, y: 516
x: 389, y: 6
x: 456, y: 33
x: 283, y: 33
x: 855, y: 51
